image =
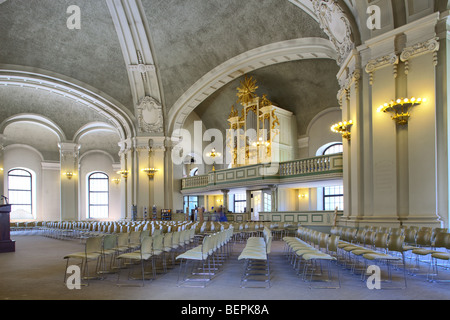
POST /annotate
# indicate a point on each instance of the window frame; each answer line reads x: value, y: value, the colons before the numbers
x: 326, y: 196
x: 333, y: 195
x: 89, y: 205
x: 31, y: 190
x: 240, y: 201
x: 332, y: 146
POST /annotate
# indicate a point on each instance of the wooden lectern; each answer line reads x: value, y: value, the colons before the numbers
x: 6, y: 244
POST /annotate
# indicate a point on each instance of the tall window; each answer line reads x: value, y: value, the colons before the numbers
x: 98, y: 195
x: 240, y: 202
x: 333, y: 197
x: 267, y: 205
x: 190, y: 202
x: 20, y: 193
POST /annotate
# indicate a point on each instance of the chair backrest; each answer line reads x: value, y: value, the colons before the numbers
x: 396, y: 231
x: 323, y: 240
x: 122, y: 239
x: 442, y: 240
x: 333, y: 242
x: 369, y: 238
x: 359, y: 238
x: 94, y: 244
x: 158, y: 242
x: 176, y: 237
x: 135, y: 237
x: 410, y: 235
x: 396, y: 243
x: 269, y: 243
x: 207, y: 244
x: 168, y: 237
x: 147, y: 245
x: 381, y: 240
x: 109, y: 241
x: 424, y: 238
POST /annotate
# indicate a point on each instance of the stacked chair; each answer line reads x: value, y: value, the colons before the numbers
x: 440, y: 253
x: 198, y: 265
x: 310, y: 253
x: 256, y: 257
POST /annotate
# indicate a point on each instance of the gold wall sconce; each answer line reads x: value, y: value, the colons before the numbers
x: 150, y: 172
x: 123, y: 173
x: 116, y: 180
x: 400, y: 109
x: 344, y: 128
x: 69, y: 175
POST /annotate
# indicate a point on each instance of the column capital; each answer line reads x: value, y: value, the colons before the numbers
x: 69, y: 148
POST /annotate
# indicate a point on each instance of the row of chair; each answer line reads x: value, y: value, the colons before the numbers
x: 374, y: 248
x: 312, y: 252
x: 368, y: 246
x: 411, y: 233
x: 130, y: 247
x: 256, y: 259
x: 200, y: 264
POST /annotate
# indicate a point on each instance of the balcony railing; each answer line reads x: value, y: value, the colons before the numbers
x: 316, y: 168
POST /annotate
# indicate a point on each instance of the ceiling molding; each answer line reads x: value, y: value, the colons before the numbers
x: 93, y: 152
x: 121, y: 120
x: 93, y: 127
x: 131, y: 27
x: 307, y: 6
x: 36, y: 119
x: 24, y: 146
x: 285, y: 51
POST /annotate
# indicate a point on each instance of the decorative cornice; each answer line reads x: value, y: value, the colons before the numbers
x: 430, y: 46
x: 378, y: 63
x: 345, y: 84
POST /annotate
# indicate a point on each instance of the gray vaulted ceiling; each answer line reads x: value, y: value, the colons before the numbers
x: 188, y: 39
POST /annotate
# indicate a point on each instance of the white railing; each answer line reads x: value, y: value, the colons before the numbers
x: 296, y: 168
x: 305, y: 166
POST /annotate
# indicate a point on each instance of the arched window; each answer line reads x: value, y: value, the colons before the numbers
x: 332, y: 196
x: 193, y: 172
x: 20, y: 193
x: 333, y: 149
x: 98, y: 195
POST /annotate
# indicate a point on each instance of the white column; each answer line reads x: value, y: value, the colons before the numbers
x: 69, y: 153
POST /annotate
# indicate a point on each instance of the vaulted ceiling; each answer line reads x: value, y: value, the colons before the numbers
x: 194, y: 52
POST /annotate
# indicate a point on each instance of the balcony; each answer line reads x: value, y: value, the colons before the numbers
x: 303, y: 170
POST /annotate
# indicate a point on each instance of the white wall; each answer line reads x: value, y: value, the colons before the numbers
x: 101, y: 162
x: 319, y: 130
x: 47, y: 179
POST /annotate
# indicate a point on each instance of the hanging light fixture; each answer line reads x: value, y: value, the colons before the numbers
x: 213, y: 154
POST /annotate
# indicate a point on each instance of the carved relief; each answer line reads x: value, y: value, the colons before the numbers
x: 418, y: 49
x: 375, y: 64
x: 346, y: 83
x: 335, y: 24
x: 149, y: 114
